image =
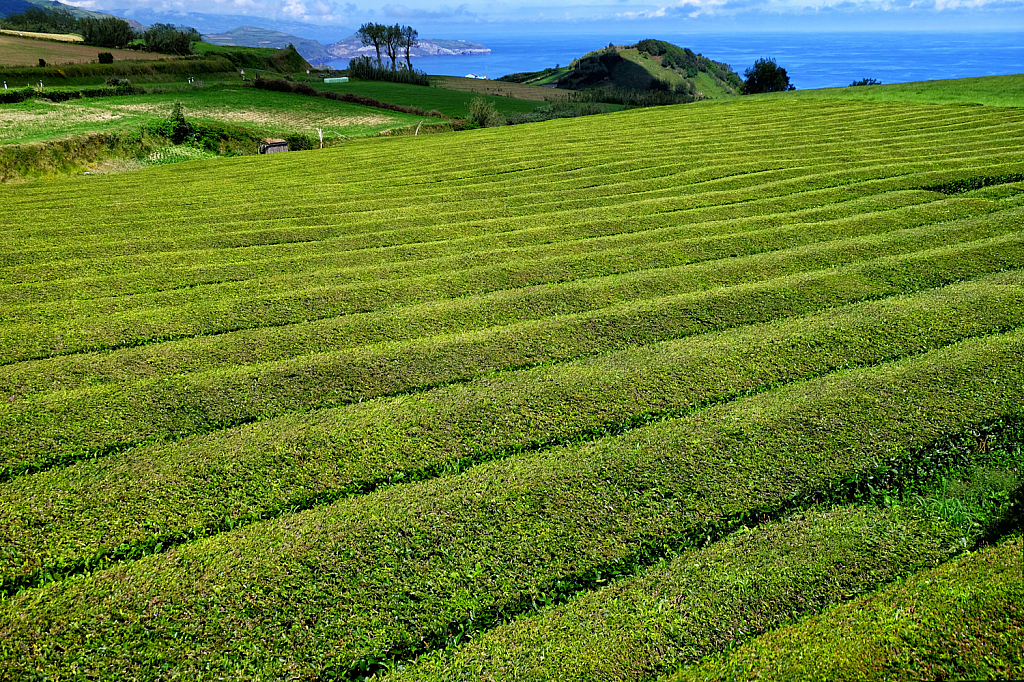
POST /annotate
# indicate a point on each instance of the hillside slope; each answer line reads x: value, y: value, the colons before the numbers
x: 586, y: 399
x: 647, y: 65
x: 252, y: 36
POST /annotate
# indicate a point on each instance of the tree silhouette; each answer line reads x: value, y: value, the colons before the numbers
x: 409, y: 36
x: 373, y: 34
x: 765, y: 76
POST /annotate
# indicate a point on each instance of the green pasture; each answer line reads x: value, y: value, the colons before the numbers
x: 999, y: 91
x: 236, y: 105
x: 670, y: 393
x: 453, y: 103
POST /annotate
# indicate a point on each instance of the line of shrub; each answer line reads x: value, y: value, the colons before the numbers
x: 349, y: 451
x: 961, y: 620
x: 278, y: 85
x: 615, y: 252
x: 467, y: 314
x: 388, y: 576
x: 62, y: 328
x: 702, y: 600
x: 146, y: 68
x: 156, y: 271
x: 118, y: 90
x: 903, y: 169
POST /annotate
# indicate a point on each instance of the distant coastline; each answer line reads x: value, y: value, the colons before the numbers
x: 813, y: 60
x: 426, y: 47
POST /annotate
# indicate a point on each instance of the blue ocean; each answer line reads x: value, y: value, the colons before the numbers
x: 812, y: 60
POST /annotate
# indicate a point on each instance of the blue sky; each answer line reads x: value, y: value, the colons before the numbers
x: 481, y: 18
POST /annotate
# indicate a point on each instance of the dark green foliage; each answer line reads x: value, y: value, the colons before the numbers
x: 971, y: 184
x: 553, y: 110
x: 176, y: 127
x: 116, y: 88
x: 169, y: 39
x: 484, y: 114
x: 42, y: 20
x: 363, y: 68
x: 42, y: 63
x: 765, y: 76
x: 394, y: 40
x: 298, y: 143
x: 279, y: 85
x: 372, y: 33
x: 608, y: 68
x: 106, y: 32
x: 865, y: 81
x: 15, y: 96
x: 106, y: 58
x: 631, y: 98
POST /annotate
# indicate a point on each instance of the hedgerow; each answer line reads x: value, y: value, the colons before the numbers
x: 390, y: 575
x: 490, y: 417
x: 961, y: 620
x: 47, y: 431
x: 702, y: 600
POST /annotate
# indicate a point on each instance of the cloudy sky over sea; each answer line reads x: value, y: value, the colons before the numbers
x: 479, y: 18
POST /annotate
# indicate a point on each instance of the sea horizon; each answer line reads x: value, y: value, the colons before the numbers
x: 812, y: 60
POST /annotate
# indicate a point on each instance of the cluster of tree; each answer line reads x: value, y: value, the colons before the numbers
x: 40, y: 20
x: 865, y: 81
x: 608, y: 67
x: 394, y: 40
x: 765, y: 76
x: 169, y: 39
x: 686, y: 61
x: 364, y: 68
x: 108, y: 32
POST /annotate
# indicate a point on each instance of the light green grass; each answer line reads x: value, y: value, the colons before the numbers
x: 999, y: 91
x: 273, y: 112
x: 450, y: 102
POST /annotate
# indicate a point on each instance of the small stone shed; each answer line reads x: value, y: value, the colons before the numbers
x: 273, y: 145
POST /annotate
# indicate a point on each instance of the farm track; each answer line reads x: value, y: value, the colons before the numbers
x: 353, y: 420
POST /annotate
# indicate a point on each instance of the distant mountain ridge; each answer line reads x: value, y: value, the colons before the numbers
x: 8, y: 7
x: 252, y: 36
x: 214, y: 24
x: 426, y: 47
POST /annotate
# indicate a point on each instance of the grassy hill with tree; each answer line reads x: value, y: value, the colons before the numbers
x: 725, y: 389
x: 648, y: 65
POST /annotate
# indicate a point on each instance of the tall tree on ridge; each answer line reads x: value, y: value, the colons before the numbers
x: 409, y: 36
x: 392, y: 41
x: 373, y: 34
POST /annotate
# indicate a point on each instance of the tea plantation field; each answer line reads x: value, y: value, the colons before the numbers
x: 659, y: 394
